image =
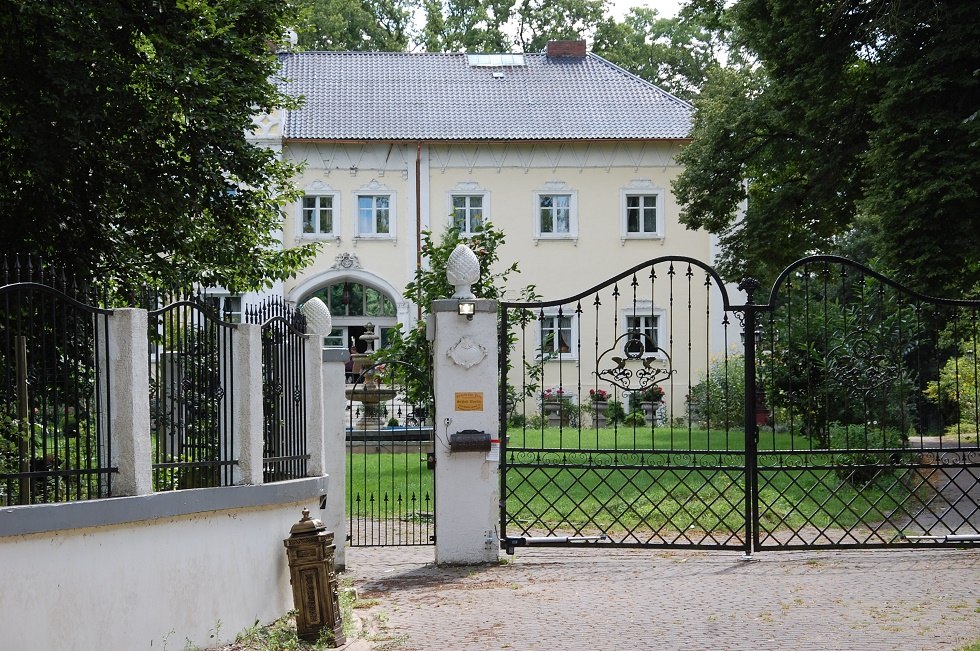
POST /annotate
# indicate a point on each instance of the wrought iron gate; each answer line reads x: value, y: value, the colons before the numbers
x: 284, y: 451
x: 626, y: 409
x: 390, y: 462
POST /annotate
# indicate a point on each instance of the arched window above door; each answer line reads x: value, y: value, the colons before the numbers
x: 347, y: 299
x: 353, y: 306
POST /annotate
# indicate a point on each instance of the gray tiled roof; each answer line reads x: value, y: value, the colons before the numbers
x: 401, y: 96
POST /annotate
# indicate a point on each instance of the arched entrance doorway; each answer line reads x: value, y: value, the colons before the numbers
x: 353, y: 306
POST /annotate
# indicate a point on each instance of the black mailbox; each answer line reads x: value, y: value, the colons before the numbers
x: 469, y: 440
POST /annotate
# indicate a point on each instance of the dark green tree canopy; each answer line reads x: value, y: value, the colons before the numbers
x: 676, y: 54
x: 466, y: 25
x: 449, y: 25
x: 123, y: 150
x: 848, y: 122
x: 355, y: 25
x: 540, y: 21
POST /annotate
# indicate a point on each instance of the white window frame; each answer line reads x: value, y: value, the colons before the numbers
x: 556, y: 188
x: 375, y: 190
x: 317, y: 234
x: 469, y: 210
x: 318, y: 189
x: 467, y: 189
x: 341, y: 333
x: 641, y: 188
x: 645, y: 310
x: 554, y: 355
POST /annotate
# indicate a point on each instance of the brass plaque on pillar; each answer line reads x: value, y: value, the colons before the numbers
x: 469, y: 401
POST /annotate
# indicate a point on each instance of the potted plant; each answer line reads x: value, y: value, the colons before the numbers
x: 598, y: 395
x: 600, y: 400
x: 557, y: 407
x: 646, y: 400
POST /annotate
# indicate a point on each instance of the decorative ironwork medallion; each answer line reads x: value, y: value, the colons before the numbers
x: 640, y: 367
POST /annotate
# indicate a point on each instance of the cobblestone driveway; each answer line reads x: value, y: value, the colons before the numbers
x: 558, y: 599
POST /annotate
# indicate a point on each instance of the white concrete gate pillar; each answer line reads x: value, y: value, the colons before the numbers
x: 465, y: 384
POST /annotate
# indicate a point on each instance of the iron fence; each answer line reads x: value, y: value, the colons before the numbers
x: 284, y: 453
x: 601, y: 441
x: 390, y: 456
x: 866, y: 402
x: 840, y: 412
x: 55, y: 436
x: 191, y: 393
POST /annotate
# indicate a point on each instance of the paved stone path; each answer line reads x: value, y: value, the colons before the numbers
x: 555, y: 599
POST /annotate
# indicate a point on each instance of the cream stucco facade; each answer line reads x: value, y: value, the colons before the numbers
x: 579, y: 182
x: 421, y: 178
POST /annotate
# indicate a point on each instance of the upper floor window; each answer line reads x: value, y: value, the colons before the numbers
x: 642, y: 211
x: 556, y: 212
x: 467, y: 210
x: 318, y: 215
x: 374, y: 215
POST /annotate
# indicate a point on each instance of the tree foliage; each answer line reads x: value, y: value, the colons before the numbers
x: 122, y: 139
x: 957, y: 391
x: 360, y: 25
x: 540, y: 21
x: 466, y: 25
x: 446, y: 25
x: 849, y: 115
x: 673, y: 53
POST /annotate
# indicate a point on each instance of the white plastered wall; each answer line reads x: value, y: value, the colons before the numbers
x: 200, y: 578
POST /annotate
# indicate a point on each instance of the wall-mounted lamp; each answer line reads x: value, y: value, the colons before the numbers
x: 467, y: 309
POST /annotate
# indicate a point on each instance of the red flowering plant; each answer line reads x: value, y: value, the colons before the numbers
x: 598, y: 395
x: 653, y: 393
x: 553, y: 394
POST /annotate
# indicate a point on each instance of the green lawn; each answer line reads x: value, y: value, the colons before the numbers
x: 387, y: 484
x: 630, y: 438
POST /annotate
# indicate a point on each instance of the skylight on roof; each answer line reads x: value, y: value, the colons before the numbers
x: 494, y: 60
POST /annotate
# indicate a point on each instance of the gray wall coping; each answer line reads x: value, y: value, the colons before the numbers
x: 64, y: 516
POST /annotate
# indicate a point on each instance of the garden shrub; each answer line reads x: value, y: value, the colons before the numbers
x: 718, y: 399
x: 862, y: 453
x: 615, y: 412
x: 956, y: 393
x: 635, y: 419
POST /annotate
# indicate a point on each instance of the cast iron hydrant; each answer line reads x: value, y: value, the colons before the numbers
x: 309, y: 549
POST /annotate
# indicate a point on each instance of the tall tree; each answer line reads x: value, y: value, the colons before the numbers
x: 923, y: 160
x: 358, y: 25
x: 122, y: 139
x: 864, y: 108
x: 540, y: 21
x: 466, y: 25
x: 673, y: 53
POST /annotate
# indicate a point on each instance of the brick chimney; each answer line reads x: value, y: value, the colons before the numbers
x: 566, y: 49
